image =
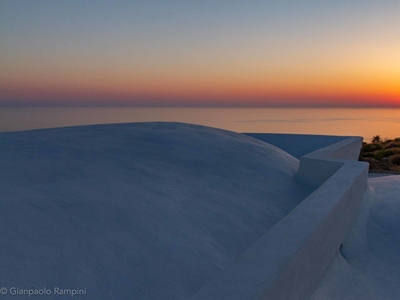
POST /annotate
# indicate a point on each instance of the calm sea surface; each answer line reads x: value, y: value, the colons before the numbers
x: 362, y: 122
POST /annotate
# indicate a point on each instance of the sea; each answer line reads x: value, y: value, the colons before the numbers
x: 365, y: 122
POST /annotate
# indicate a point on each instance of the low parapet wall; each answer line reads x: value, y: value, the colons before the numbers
x: 289, y: 261
x: 305, y: 143
x: 316, y: 167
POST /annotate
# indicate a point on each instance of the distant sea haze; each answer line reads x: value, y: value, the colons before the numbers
x: 365, y: 122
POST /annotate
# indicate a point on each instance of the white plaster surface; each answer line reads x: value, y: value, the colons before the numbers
x: 368, y: 266
x: 291, y: 258
x: 135, y: 211
x: 317, y: 166
x: 177, y: 211
x: 298, y: 144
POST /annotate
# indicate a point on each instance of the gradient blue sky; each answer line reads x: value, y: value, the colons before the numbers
x: 263, y: 53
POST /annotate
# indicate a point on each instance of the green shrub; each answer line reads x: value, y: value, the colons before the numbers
x: 395, y: 150
x: 371, y: 147
x: 383, y: 153
x: 395, y: 159
x: 392, y: 144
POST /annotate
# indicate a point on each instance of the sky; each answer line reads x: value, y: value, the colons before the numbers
x: 282, y: 53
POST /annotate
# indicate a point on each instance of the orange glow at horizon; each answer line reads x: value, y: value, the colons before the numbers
x: 289, y: 53
x: 257, y: 88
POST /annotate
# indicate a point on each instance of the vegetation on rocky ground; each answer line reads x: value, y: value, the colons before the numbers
x: 383, y: 155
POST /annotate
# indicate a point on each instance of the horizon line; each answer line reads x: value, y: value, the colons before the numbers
x: 197, y: 105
